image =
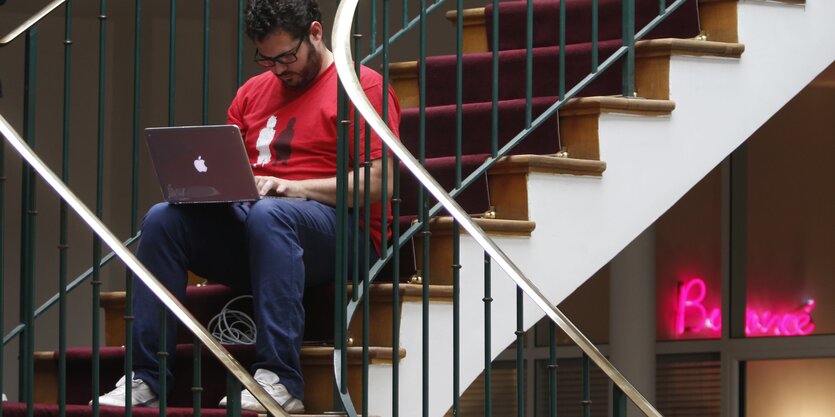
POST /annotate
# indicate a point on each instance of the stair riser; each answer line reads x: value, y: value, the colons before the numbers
x: 682, y: 23
x: 440, y: 250
x: 651, y: 82
x: 476, y: 129
x: 441, y: 87
x: 717, y: 19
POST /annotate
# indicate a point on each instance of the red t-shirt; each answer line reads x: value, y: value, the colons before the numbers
x: 291, y: 133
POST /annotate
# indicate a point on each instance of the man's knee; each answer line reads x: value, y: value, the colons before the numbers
x: 162, y: 217
x: 271, y: 211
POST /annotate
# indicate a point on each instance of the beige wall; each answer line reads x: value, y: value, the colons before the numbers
x: 790, y: 388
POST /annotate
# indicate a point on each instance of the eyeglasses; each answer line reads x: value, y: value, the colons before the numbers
x: 285, y: 58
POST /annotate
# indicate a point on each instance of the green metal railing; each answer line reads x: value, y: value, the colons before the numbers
x: 363, y: 275
x: 25, y: 331
x: 342, y: 50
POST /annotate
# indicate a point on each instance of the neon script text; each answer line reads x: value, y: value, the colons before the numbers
x: 693, y: 317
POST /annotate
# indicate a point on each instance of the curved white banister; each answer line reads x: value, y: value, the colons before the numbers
x: 340, y: 40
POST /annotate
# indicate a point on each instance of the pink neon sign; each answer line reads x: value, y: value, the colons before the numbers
x: 693, y: 317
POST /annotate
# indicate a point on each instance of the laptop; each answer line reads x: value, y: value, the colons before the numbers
x: 201, y: 164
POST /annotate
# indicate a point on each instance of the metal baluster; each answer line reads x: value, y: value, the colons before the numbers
x: 2, y: 259
x: 27, y: 232
x: 134, y: 226
x: 233, y: 396
x: 96, y: 279
x: 586, y: 387
x: 197, y: 348
x: 662, y: 7
x: 239, y: 59
x: 206, y: 32
x: 520, y: 353
x: 385, y: 114
x: 552, y: 369
x: 62, y: 238
x: 197, y: 376
x: 629, y: 43
x: 395, y: 266
x: 341, y: 261
x: 529, y: 63
x: 355, y: 168
x: 395, y: 232
x: 488, y: 334
x: 366, y: 239
x: 172, y: 59
x: 423, y: 201
x: 366, y: 301
x: 562, y: 51
x: 618, y: 402
x: 595, y: 17
x: 372, y: 25
x: 456, y: 232
x: 162, y: 357
x: 494, y: 85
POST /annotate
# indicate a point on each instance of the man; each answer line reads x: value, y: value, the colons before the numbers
x: 288, y: 119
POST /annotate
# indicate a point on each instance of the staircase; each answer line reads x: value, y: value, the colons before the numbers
x: 567, y: 200
x: 698, y: 100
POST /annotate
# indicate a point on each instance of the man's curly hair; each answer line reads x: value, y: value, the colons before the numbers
x: 264, y: 17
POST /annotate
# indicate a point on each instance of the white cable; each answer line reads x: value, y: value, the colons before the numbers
x: 233, y: 327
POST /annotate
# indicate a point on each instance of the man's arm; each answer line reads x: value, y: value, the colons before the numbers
x: 323, y: 190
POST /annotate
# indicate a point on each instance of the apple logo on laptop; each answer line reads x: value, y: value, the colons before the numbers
x: 200, y: 164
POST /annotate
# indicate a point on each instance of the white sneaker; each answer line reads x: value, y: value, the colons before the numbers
x: 269, y: 380
x: 141, y: 395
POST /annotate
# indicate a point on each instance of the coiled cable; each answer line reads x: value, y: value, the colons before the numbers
x: 233, y: 327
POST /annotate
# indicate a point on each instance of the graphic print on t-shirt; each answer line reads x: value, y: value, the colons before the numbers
x: 282, y: 143
x: 265, y: 138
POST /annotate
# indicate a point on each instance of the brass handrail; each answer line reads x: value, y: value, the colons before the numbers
x: 30, y: 22
x: 141, y: 272
x: 343, y: 58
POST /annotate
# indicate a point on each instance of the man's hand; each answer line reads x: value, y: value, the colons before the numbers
x: 323, y: 190
x: 279, y: 187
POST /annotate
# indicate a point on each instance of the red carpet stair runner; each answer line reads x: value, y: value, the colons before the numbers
x: 440, y: 144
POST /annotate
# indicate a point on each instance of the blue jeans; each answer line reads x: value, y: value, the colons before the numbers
x: 273, y: 249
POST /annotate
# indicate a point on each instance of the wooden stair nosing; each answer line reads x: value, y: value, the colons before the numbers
x: 616, y: 104
x: 515, y: 164
x: 442, y: 226
x: 690, y: 47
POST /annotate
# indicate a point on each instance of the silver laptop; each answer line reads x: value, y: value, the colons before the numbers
x: 201, y: 164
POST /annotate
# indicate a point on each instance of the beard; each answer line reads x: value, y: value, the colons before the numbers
x: 308, y: 73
